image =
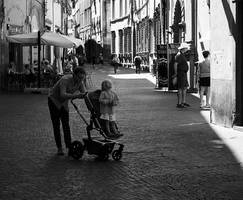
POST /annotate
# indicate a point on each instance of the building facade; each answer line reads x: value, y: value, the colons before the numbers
x: 84, y: 19
x: 122, y: 29
x: 226, y: 62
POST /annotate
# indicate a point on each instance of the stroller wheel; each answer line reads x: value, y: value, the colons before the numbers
x: 76, y: 150
x: 117, y: 155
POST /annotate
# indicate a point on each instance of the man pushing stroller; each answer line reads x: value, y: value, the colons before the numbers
x: 108, y: 100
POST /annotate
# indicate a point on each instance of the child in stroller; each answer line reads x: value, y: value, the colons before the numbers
x: 94, y: 145
x: 102, y: 104
x: 108, y: 100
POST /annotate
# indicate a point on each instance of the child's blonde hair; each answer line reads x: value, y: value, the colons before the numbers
x: 106, y: 85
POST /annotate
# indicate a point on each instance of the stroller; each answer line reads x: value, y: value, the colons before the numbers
x: 100, y: 146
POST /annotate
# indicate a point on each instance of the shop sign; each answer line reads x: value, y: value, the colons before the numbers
x: 14, y: 29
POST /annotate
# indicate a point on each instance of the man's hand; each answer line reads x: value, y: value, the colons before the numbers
x: 81, y: 95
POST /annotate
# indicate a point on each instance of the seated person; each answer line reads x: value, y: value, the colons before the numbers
x: 68, y: 67
x: 47, y: 68
x: 12, y: 68
x: 29, y: 75
x: 35, y: 66
x: 11, y: 72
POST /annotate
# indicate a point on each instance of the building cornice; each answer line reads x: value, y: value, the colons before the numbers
x: 119, y: 19
x: 139, y: 10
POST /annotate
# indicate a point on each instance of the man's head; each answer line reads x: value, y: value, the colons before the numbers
x: 184, y: 47
x: 79, y: 74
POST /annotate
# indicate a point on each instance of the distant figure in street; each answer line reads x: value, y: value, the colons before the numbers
x: 70, y: 86
x: 108, y: 100
x: 137, y: 63
x: 204, y: 79
x: 115, y: 63
x: 101, y: 59
x: 181, y: 69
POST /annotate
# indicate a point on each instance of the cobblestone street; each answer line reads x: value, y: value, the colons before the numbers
x: 169, y: 153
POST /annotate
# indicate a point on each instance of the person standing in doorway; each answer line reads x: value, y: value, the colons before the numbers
x: 181, y: 69
x: 204, y: 79
x: 70, y: 86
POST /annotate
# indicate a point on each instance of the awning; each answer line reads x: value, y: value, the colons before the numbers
x: 77, y: 42
x: 47, y: 38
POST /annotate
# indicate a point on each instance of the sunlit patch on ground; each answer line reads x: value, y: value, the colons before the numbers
x: 147, y: 76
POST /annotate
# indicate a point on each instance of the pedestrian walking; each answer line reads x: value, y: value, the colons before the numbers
x: 181, y: 69
x: 101, y: 59
x: 70, y: 86
x: 137, y: 63
x: 108, y: 100
x: 115, y: 63
x: 204, y: 79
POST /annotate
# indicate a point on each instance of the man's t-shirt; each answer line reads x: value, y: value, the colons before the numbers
x: 71, y: 87
x: 182, y: 63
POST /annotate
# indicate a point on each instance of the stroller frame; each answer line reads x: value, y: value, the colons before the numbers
x: 102, y: 147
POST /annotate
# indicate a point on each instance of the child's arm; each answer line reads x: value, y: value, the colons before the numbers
x: 115, y: 101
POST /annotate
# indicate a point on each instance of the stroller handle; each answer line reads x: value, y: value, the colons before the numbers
x: 84, y: 95
x: 77, y: 110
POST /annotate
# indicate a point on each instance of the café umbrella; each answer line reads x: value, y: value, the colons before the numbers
x: 45, y: 38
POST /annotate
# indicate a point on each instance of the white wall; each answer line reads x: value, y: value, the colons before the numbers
x: 222, y: 63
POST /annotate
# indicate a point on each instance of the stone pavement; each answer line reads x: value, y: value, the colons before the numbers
x: 169, y: 153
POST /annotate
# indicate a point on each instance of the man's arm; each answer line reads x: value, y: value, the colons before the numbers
x: 65, y: 95
x: 175, y: 69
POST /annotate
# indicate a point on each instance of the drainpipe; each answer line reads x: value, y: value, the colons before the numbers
x: 194, y: 44
x: 39, y: 51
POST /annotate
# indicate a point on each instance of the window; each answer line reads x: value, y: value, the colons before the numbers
x: 129, y: 40
x: 113, y: 9
x: 120, y: 41
x: 121, y: 8
x: 113, y: 42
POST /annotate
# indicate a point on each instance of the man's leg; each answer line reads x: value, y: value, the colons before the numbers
x: 55, y: 118
x: 208, y: 97
x: 66, y: 127
x: 184, y: 95
x: 179, y: 96
x: 202, y: 90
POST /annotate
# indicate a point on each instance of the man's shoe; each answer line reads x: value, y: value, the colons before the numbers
x: 180, y: 106
x: 60, y: 152
x: 186, y: 105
